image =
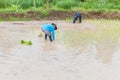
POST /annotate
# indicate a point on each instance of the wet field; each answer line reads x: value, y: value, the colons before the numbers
x: 70, y: 57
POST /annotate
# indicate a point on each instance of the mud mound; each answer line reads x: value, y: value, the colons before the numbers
x: 61, y: 15
x: 86, y: 15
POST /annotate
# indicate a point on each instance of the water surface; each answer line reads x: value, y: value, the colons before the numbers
x: 44, y: 60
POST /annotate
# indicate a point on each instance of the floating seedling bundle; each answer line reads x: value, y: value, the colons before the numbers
x: 26, y: 42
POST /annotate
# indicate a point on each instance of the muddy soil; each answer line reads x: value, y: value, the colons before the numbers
x: 44, y: 60
x: 61, y: 15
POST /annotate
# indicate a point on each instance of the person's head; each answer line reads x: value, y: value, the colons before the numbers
x: 55, y: 26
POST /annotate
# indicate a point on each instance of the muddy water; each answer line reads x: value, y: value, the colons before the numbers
x: 44, y: 60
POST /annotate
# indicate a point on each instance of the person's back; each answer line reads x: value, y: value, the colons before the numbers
x: 48, y: 27
x: 78, y: 14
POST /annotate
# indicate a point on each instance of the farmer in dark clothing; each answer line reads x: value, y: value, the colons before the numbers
x: 77, y: 16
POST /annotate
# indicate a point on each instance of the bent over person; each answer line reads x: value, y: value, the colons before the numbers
x: 49, y: 30
x: 77, y: 16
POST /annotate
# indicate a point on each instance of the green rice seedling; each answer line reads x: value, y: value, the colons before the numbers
x: 68, y: 19
x: 26, y: 42
x: 106, y: 32
x: 60, y: 37
x: 79, y: 40
x: 57, y: 34
x: 72, y: 41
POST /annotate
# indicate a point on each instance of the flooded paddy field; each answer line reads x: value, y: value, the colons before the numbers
x: 86, y: 51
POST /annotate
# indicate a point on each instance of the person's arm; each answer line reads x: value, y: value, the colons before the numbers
x: 53, y: 34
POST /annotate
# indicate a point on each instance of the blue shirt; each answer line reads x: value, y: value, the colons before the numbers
x: 49, y: 28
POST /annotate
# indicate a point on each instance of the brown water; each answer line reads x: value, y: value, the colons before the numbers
x: 44, y: 60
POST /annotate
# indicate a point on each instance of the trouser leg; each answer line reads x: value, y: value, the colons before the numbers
x: 80, y: 19
x: 45, y: 36
x: 50, y: 38
x: 75, y: 18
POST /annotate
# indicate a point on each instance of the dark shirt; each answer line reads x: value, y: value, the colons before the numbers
x: 78, y: 14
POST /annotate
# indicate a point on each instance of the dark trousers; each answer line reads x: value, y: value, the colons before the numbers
x: 77, y: 17
x: 49, y: 37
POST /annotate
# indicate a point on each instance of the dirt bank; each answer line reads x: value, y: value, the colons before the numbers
x: 60, y: 15
x: 86, y: 15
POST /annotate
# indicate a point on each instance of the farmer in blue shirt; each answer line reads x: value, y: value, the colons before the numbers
x: 77, y: 16
x: 48, y: 29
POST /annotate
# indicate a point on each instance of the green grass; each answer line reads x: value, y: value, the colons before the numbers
x: 67, y: 4
x: 77, y: 5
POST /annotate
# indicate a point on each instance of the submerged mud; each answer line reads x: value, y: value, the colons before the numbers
x: 45, y: 60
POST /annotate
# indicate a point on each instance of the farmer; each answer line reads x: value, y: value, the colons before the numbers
x: 77, y: 16
x: 49, y: 29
